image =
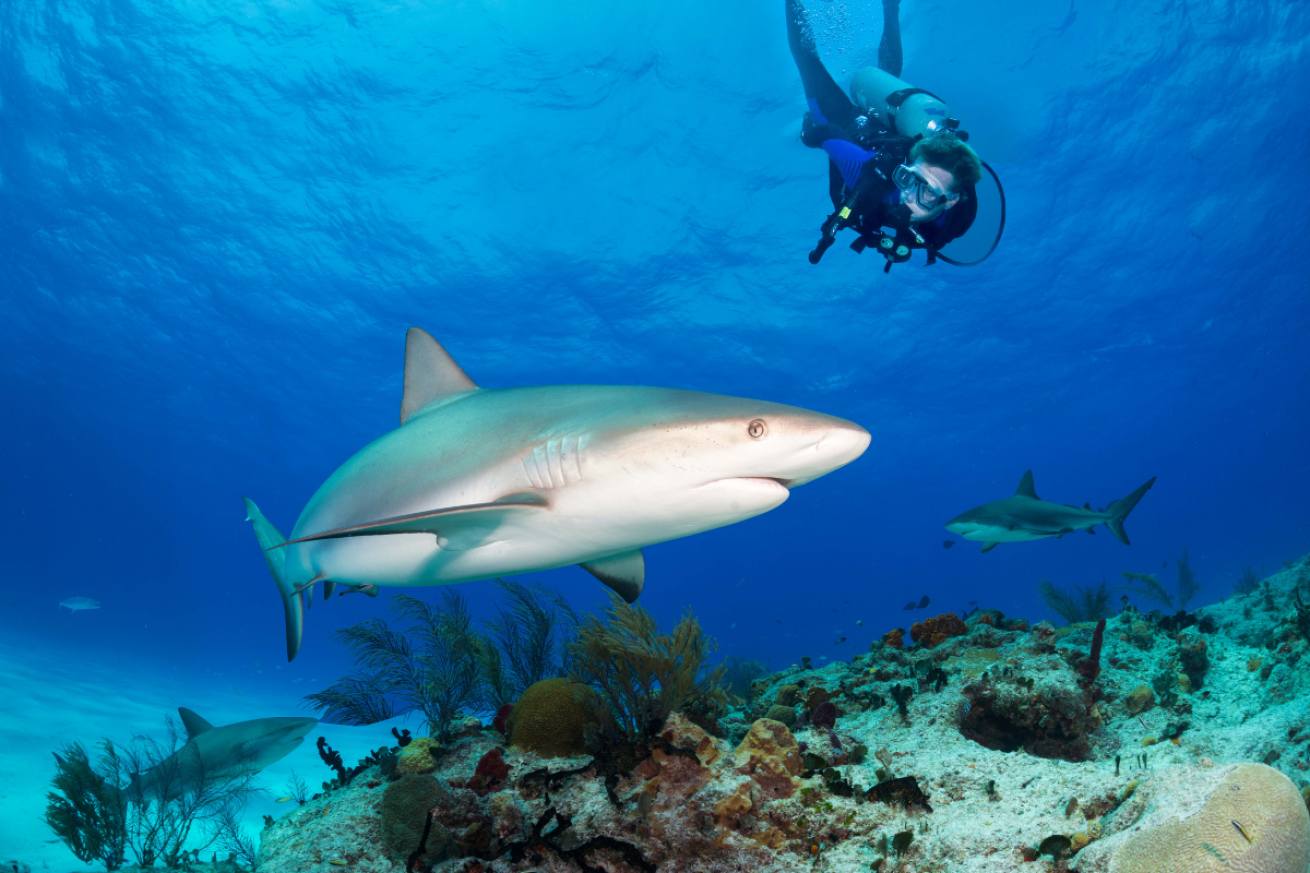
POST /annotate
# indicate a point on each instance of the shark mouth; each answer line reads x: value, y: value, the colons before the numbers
x: 785, y: 483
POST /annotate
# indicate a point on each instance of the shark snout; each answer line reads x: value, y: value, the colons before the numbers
x: 836, y: 446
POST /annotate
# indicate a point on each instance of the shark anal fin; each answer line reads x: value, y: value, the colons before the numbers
x: 431, y: 374
x: 1026, y: 488
x: 194, y: 724
x: 987, y: 547
x: 625, y: 573
x: 452, y: 520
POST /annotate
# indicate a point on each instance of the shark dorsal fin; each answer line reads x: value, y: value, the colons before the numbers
x: 1025, y: 488
x: 194, y: 724
x: 431, y: 374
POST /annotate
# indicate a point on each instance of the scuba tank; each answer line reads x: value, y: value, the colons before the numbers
x: 901, y: 107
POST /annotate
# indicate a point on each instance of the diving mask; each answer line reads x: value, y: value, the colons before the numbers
x: 919, y: 189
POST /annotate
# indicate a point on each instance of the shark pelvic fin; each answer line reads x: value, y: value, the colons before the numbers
x: 987, y: 547
x: 468, y: 523
x: 1026, y: 488
x: 431, y: 374
x: 270, y: 541
x: 1119, y: 510
x: 194, y: 724
x: 625, y: 573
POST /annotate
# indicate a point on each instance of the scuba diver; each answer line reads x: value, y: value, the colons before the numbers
x: 899, y: 170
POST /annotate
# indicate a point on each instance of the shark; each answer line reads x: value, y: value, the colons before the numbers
x: 478, y: 483
x: 73, y: 604
x: 216, y: 755
x: 1025, y: 516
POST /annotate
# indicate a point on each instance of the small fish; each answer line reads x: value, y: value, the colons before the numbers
x: 1241, y: 830
x: 973, y: 603
x: 1165, y: 564
x: 859, y: 623
x: 840, y: 641
x: 948, y: 543
x: 284, y: 800
x: 910, y: 605
x: 923, y: 604
x: 1070, y: 807
x: 335, y: 863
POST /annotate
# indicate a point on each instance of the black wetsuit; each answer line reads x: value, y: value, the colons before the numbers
x: 859, y: 150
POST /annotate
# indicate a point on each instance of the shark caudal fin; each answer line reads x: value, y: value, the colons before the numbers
x: 269, y: 539
x: 1119, y: 510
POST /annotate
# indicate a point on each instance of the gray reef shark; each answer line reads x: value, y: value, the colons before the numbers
x: 214, y: 755
x: 1025, y: 516
x: 479, y: 483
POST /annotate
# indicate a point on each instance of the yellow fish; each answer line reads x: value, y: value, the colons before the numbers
x: 283, y: 799
x: 337, y: 863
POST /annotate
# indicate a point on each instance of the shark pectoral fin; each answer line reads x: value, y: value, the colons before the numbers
x: 987, y: 547
x: 1091, y: 529
x: 625, y: 573
x: 328, y: 587
x: 463, y: 523
x: 1026, y: 488
x: 431, y: 374
x: 270, y: 540
x: 194, y: 724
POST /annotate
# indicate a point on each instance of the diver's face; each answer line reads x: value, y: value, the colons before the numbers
x: 936, y: 190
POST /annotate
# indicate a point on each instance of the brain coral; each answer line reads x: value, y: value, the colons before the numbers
x: 1245, y: 818
x: 550, y: 717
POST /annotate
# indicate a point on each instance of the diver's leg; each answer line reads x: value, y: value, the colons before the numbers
x: 890, y: 58
x: 822, y: 92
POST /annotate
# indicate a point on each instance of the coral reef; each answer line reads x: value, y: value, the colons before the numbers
x: 993, y: 753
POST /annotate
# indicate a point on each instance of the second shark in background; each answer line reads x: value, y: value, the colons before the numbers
x: 1025, y: 516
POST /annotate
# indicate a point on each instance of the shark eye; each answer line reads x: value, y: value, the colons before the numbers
x: 757, y: 429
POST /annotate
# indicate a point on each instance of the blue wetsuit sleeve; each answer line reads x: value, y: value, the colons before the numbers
x: 848, y: 157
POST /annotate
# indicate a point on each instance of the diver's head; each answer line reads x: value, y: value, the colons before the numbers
x: 935, y: 175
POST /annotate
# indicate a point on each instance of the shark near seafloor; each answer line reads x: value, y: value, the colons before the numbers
x: 1025, y: 516
x: 214, y: 755
x: 478, y: 483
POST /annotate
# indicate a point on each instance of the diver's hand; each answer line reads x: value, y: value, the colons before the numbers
x: 815, y: 135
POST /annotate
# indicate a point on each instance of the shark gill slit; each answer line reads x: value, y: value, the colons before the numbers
x: 554, y: 456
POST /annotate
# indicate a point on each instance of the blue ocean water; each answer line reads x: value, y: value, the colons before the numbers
x: 218, y: 220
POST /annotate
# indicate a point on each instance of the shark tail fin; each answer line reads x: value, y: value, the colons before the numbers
x: 1119, y: 510
x: 269, y: 539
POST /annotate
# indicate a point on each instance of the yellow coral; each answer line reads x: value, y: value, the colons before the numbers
x: 418, y: 756
x: 770, y: 756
